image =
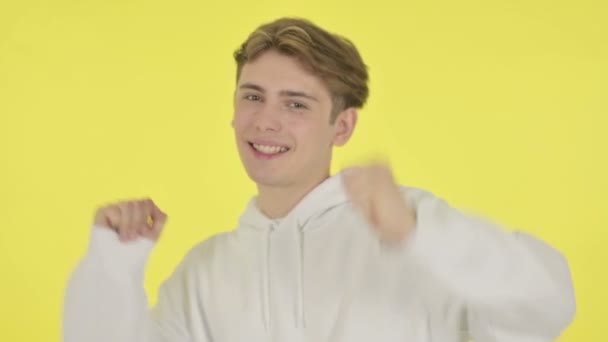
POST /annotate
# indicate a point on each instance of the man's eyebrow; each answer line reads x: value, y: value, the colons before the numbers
x: 292, y: 93
x: 286, y: 93
x: 251, y: 86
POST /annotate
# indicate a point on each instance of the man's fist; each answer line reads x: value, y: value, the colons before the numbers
x: 132, y: 219
x: 373, y: 190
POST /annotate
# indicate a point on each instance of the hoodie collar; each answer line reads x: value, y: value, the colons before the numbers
x: 325, y: 196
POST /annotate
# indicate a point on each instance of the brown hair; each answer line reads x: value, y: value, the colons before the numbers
x: 331, y: 57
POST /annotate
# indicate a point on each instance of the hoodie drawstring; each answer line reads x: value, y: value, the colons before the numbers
x: 299, y: 320
x: 266, y: 280
x: 299, y: 317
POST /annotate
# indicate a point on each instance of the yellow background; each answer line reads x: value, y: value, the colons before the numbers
x: 498, y: 106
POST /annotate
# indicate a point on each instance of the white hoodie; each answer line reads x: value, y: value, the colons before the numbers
x: 321, y: 274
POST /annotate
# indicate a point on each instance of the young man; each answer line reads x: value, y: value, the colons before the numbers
x: 349, y: 257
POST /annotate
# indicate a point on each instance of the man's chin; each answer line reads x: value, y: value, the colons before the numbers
x: 268, y: 180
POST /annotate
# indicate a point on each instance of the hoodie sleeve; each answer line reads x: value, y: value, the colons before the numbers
x: 515, y: 287
x: 105, y: 299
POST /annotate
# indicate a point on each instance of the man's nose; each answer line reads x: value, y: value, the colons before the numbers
x: 267, y: 118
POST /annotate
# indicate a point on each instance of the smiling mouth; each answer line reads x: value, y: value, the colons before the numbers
x: 268, y: 149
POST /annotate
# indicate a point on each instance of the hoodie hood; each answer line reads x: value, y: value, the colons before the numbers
x: 305, y: 215
x: 327, y: 195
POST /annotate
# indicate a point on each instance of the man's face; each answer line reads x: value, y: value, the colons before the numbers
x: 282, y: 122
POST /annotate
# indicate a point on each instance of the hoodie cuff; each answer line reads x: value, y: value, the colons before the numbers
x: 422, y: 241
x: 433, y: 242
x: 115, y: 257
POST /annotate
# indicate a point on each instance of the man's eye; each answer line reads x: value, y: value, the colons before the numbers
x: 252, y: 97
x: 297, y: 105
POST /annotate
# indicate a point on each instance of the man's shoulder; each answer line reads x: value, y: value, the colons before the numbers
x: 213, y: 247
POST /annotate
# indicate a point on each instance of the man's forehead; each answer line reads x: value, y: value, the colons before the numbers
x: 272, y: 68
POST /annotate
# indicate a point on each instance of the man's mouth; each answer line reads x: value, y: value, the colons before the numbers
x: 269, y: 149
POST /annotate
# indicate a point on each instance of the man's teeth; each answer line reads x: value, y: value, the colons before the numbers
x: 269, y: 149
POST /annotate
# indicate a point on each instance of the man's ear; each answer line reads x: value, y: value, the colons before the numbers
x: 344, y: 126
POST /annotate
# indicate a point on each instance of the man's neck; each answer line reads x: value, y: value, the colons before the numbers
x: 277, y: 202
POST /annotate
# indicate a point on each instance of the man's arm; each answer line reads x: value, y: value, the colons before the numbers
x: 105, y: 298
x: 515, y: 286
